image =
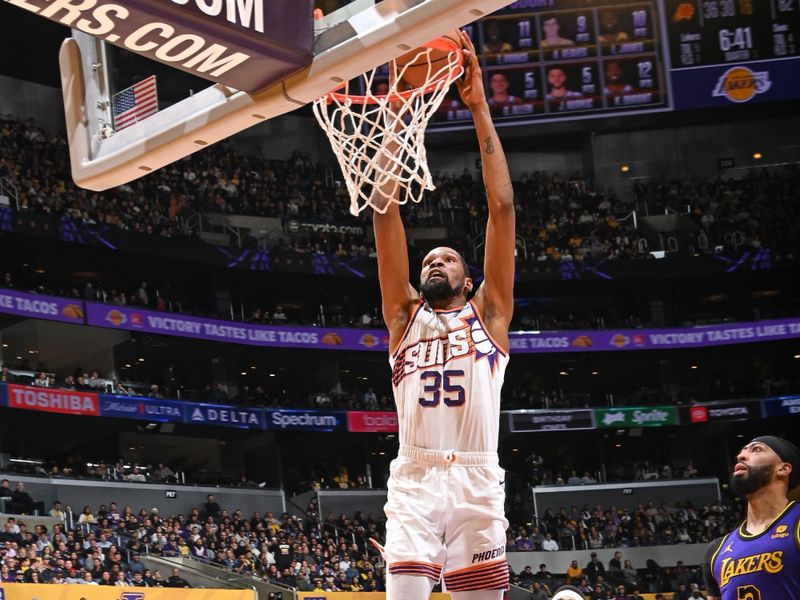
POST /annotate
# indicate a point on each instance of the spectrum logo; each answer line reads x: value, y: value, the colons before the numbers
x: 740, y: 84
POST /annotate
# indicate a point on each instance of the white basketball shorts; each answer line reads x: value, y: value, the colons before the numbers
x: 445, y: 515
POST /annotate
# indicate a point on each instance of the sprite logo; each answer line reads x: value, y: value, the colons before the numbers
x: 655, y: 416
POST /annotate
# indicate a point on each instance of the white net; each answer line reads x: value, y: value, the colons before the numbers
x: 379, y: 138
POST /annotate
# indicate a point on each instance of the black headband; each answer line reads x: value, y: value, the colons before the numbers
x: 787, y: 452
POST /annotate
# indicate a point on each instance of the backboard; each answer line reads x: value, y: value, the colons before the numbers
x: 346, y: 43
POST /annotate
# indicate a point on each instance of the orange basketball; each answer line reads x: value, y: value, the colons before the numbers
x: 416, y: 66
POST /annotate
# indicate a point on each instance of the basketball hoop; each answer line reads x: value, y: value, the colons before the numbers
x: 360, y: 127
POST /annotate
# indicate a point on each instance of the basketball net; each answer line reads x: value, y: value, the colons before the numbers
x: 379, y: 139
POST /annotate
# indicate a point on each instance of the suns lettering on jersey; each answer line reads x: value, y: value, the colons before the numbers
x: 467, y: 340
x: 771, y: 562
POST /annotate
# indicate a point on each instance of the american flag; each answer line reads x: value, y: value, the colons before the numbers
x: 135, y: 103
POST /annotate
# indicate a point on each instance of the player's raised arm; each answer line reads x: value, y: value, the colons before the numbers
x: 495, y: 298
x: 397, y: 294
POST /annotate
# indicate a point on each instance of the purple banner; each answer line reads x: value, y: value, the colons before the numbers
x: 522, y: 342
x: 525, y: 342
x: 151, y: 321
x: 41, y: 307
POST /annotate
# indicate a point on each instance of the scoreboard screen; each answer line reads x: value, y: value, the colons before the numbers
x: 567, y: 59
x: 563, y: 59
x: 709, y: 32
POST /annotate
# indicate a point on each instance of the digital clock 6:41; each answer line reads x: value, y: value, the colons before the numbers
x: 740, y: 38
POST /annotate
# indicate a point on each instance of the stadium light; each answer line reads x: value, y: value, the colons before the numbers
x: 757, y: 155
x: 625, y: 168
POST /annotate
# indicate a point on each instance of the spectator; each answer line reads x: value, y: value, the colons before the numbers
x: 86, y: 516
x: 544, y: 577
x: 594, y: 569
x: 56, y: 511
x: 538, y: 592
x: 135, y: 565
x: 176, y: 581
x: 5, y: 495
x: 212, y: 509
x: 6, y: 376
x: 549, y: 544
x: 163, y: 472
x: 574, y: 573
x: 630, y: 575
x: 526, y: 577
x: 23, y: 502
x: 620, y: 593
x: 136, y: 476
x: 615, y: 568
x: 42, y: 380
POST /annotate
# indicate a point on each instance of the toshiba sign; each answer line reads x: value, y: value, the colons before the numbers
x: 67, y: 402
x: 361, y: 421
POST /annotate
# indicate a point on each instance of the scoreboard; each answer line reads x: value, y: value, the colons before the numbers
x: 732, y: 31
x: 566, y: 59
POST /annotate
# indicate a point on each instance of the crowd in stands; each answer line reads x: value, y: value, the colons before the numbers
x: 559, y: 218
x: 540, y: 473
x: 595, y: 528
x: 104, y: 546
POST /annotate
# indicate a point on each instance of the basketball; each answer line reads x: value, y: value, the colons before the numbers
x: 418, y: 65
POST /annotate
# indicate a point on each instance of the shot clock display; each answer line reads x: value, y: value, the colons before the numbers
x: 564, y: 59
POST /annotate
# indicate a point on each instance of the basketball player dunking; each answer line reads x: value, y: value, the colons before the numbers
x: 448, y: 357
x: 761, y: 559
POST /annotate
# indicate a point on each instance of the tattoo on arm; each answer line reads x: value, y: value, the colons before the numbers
x: 489, y: 148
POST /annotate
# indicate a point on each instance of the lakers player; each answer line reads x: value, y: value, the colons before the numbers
x: 448, y: 353
x: 761, y: 559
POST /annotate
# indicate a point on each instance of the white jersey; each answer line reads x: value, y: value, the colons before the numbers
x: 447, y: 374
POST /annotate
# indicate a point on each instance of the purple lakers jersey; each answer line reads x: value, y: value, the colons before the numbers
x: 764, y: 566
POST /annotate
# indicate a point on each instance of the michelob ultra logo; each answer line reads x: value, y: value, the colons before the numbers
x: 741, y: 84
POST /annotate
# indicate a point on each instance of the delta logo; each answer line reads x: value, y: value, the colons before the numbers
x: 683, y: 12
x: 72, y: 311
x: 137, y: 320
x: 368, y: 340
x: 639, y: 340
x: 780, y: 532
x: 620, y: 340
x: 741, y: 84
x: 116, y: 317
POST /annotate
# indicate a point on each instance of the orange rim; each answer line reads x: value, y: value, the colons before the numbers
x: 442, y: 43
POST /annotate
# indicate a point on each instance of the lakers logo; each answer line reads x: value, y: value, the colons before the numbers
x: 740, y: 84
x: 116, y: 317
